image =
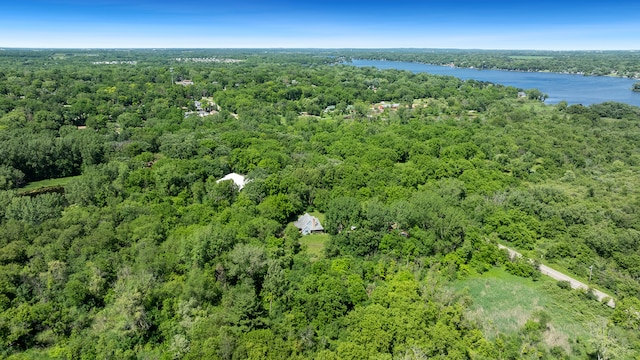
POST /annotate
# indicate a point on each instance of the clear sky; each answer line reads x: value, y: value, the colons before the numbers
x: 539, y: 24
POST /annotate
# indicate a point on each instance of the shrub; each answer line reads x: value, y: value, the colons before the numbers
x: 523, y: 267
x: 564, y: 284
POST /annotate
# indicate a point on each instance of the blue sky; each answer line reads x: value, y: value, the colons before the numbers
x: 543, y: 24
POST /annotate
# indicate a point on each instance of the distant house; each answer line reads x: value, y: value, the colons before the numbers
x: 522, y: 94
x: 184, y: 82
x: 382, y: 105
x: 238, y: 179
x: 308, y: 224
x: 204, y: 107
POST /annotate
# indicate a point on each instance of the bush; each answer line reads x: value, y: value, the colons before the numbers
x: 523, y: 267
x: 564, y: 284
x: 590, y: 295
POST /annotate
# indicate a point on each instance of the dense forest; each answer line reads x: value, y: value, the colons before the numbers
x: 117, y: 241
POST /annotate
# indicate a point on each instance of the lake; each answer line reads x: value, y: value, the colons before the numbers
x: 574, y: 89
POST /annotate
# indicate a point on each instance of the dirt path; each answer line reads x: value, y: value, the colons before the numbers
x: 575, y: 284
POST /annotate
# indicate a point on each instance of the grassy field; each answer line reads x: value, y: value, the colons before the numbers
x: 314, y: 244
x: 502, y: 303
x: 46, y: 183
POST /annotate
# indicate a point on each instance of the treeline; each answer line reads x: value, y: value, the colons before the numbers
x: 147, y: 255
x: 596, y: 63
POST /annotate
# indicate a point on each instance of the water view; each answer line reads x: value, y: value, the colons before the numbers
x: 574, y: 89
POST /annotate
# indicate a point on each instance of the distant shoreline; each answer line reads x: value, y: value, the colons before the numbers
x: 637, y: 77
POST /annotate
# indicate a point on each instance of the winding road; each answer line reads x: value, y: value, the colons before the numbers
x: 575, y: 284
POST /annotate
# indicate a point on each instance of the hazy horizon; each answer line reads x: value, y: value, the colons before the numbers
x: 465, y: 25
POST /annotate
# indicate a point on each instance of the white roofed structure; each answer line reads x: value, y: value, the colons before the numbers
x: 238, y: 179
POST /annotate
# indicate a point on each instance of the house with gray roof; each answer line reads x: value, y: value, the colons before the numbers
x: 308, y: 224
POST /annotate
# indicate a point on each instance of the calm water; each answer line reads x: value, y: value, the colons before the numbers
x: 574, y: 89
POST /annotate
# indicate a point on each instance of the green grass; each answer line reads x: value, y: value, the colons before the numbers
x: 502, y: 303
x: 46, y: 183
x: 315, y: 244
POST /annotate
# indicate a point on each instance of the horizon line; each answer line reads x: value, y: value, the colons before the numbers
x: 309, y: 48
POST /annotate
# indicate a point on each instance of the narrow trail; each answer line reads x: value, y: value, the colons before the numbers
x: 575, y: 284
